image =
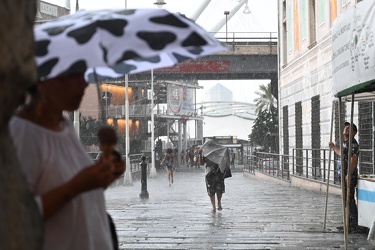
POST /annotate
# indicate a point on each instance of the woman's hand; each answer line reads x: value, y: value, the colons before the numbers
x: 99, y: 175
x: 119, y: 168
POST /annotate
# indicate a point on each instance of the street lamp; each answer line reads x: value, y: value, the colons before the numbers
x: 247, y: 9
x: 128, y: 181
x: 160, y: 3
x: 226, y: 13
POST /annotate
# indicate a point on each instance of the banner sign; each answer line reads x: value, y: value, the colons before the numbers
x: 353, y: 50
x: 180, y: 100
x: 199, y: 66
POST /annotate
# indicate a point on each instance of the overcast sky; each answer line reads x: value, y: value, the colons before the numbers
x: 263, y: 16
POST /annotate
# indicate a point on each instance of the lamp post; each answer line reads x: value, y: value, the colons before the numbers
x: 226, y: 13
x: 128, y: 181
x: 76, y: 112
x: 153, y: 168
x: 153, y: 173
x: 160, y: 3
x: 105, y: 97
x: 247, y: 9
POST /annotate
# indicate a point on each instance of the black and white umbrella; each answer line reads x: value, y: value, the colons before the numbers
x: 118, y: 42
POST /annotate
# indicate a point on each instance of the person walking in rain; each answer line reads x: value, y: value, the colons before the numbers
x: 350, y: 170
x: 169, y: 161
x: 214, y: 177
x: 191, y: 157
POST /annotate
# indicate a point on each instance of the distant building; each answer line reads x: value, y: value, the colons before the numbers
x: 51, y: 9
x: 218, y: 93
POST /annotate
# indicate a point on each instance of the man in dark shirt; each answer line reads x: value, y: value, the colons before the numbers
x: 353, y: 171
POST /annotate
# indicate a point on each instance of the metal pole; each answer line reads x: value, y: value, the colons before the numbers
x: 226, y: 13
x: 329, y: 168
x: 226, y: 28
x: 106, y: 104
x: 153, y: 169
x: 127, y: 176
x: 128, y: 181
x: 76, y: 112
x: 348, y: 175
x: 342, y: 174
x: 179, y: 147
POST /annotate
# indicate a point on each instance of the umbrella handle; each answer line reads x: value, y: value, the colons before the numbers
x: 99, y: 93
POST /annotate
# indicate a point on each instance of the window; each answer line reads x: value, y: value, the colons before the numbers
x: 312, y: 18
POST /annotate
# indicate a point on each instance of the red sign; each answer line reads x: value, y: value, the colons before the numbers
x: 198, y: 67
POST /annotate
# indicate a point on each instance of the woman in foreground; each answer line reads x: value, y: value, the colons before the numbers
x: 67, y: 186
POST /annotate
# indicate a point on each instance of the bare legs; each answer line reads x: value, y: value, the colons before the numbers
x: 170, y: 176
x: 219, y: 195
x: 213, y: 203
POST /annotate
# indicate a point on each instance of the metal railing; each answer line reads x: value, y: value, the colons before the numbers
x: 134, y: 110
x: 306, y: 163
x: 250, y: 38
x: 313, y: 164
x: 135, y: 162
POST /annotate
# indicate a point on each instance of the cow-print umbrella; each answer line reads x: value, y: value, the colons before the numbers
x: 118, y: 42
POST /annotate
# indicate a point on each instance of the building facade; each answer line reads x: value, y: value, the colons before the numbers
x: 51, y: 9
x: 306, y: 99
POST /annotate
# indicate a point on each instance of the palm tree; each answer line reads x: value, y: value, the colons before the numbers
x: 265, y: 101
x: 264, y: 131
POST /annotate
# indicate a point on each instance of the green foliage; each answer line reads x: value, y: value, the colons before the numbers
x: 135, y: 146
x: 88, y: 129
x: 265, y: 129
x: 265, y: 99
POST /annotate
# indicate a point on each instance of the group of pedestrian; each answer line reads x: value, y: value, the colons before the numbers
x: 192, y: 158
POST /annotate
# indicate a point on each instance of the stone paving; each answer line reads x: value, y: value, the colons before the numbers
x: 256, y: 214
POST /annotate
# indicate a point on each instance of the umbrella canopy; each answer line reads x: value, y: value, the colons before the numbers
x: 216, y: 153
x: 118, y: 42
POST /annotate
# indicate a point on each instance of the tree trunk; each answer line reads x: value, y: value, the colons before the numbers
x: 21, y: 226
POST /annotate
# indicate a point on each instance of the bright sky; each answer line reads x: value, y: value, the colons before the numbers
x: 263, y: 16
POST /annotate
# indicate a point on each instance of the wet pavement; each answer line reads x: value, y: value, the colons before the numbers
x: 257, y: 214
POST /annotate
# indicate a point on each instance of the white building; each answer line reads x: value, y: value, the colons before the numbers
x: 219, y: 93
x: 51, y: 9
x: 305, y: 83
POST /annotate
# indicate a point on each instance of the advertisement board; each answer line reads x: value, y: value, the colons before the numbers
x: 180, y: 100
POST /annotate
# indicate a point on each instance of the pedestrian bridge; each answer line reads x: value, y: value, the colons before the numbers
x: 250, y: 56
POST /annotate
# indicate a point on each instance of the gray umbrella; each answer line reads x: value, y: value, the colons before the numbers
x: 216, y: 153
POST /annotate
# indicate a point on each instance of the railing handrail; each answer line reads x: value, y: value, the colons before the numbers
x: 283, y: 165
x: 250, y: 36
